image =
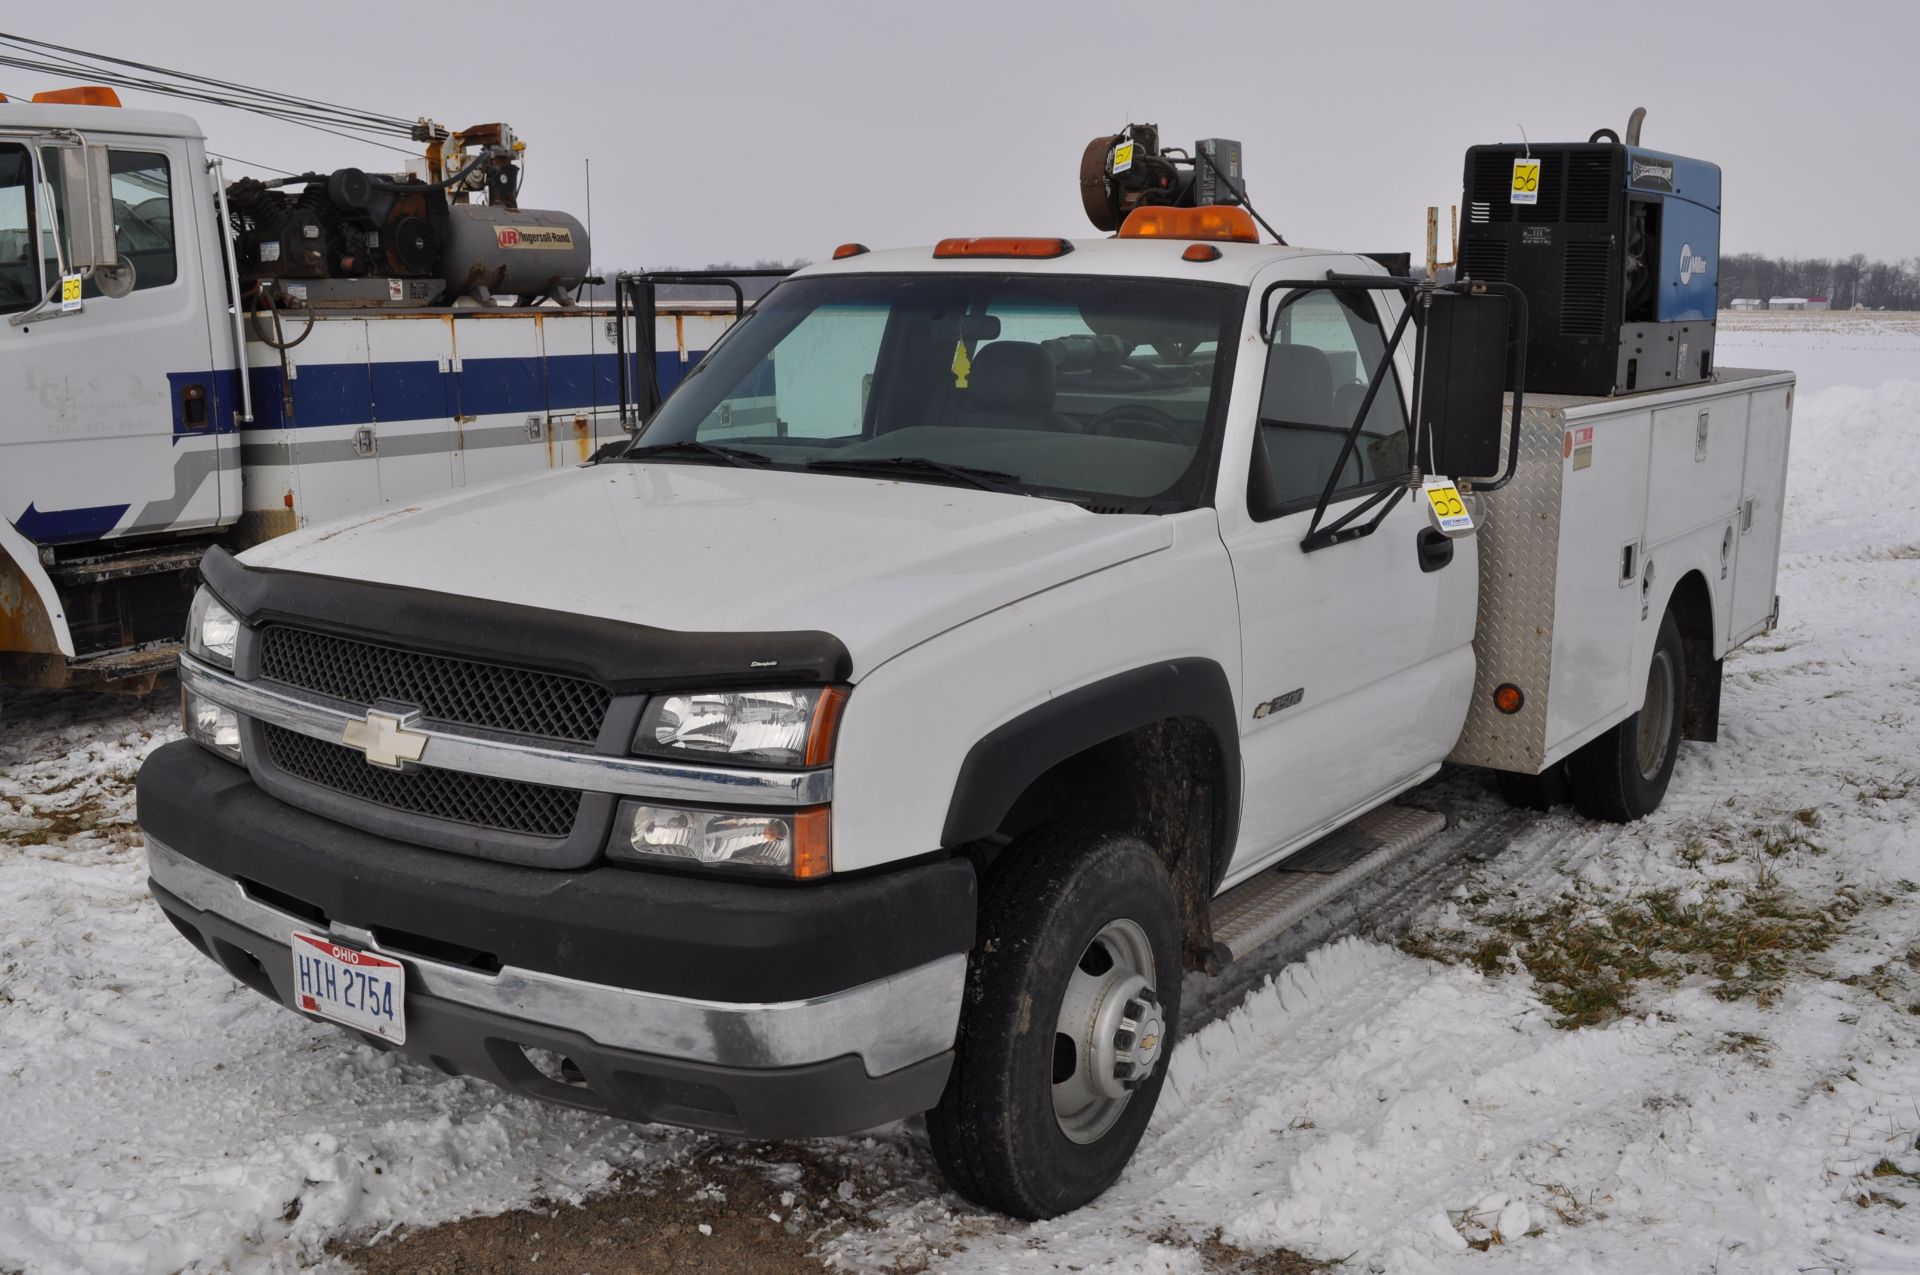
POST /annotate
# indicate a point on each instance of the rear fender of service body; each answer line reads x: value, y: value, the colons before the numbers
x: 959, y: 687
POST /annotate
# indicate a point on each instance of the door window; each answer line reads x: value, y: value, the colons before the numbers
x: 143, y: 216
x: 19, y: 277
x: 1325, y: 347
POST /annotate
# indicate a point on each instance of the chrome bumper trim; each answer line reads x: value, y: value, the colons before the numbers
x: 889, y: 1023
x: 501, y: 757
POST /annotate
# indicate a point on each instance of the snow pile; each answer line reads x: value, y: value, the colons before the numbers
x: 1364, y: 1104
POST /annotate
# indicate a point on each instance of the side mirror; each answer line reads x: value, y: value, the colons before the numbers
x: 88, y: 182
x: 1459, y: 392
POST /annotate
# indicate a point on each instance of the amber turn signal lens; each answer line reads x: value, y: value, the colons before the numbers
x: 1508, y: 698
x: 812, y: 843
x: 825, y: 725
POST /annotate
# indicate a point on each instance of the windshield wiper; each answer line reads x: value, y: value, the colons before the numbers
x: 693, y: 447
x: 985, y: 479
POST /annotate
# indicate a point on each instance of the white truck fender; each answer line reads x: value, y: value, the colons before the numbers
x: 15, y: 606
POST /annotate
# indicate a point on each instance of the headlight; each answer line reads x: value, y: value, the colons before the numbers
x: 211, y: 725
x: 212, y: 630
x: 789, y: 845
x: 754, y: 728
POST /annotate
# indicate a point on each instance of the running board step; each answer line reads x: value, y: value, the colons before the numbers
x: 1263, y: 907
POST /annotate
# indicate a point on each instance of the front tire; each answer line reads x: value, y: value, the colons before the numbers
x: 1073, y: 993
x: 1623, y: 775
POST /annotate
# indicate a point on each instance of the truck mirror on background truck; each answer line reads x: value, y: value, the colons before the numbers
x: 91, y: 242
x: 1460, y: 385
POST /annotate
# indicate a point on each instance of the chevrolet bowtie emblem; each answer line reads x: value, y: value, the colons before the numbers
x: 385, y: 740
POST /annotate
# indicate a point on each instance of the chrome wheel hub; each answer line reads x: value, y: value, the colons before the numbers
x: 1110, y: 1033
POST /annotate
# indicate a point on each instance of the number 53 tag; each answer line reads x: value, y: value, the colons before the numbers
x: 1447, y: 509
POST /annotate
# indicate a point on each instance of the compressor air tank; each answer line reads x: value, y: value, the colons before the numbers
x: 525, y: 251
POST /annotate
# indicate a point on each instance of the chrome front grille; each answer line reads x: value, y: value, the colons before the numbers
x: 501, y: 805
x: 444, y: 688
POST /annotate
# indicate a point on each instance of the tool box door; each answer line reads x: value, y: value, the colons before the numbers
x: 1762, y: 505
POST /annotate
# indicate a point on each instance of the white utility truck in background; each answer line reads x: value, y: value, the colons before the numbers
x: 404, y: 335
x: 984, y: 635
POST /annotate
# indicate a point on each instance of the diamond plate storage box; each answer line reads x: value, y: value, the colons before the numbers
x: 1617, y: 505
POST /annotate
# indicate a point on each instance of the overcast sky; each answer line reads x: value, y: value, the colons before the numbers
x: 738, y: 131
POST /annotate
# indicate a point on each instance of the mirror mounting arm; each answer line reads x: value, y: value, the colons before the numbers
x: 1319, y: 537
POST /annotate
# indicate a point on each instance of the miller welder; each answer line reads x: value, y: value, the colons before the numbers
x: 1618, y: 250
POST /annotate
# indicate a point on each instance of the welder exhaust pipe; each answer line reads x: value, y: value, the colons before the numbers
x: 1633, y: 125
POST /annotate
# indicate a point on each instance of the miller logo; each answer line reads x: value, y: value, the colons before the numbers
x: 1690, y: 265
x: 1656, y: 175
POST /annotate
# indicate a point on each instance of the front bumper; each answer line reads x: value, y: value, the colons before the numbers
x: 762, y: 1041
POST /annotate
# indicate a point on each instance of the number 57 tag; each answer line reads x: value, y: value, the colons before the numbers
x: 1446, y: 508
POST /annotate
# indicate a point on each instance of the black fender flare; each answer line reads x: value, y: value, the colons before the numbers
x: 1004, y: 762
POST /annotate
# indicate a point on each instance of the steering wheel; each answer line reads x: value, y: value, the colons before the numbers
x: 1154, y: 424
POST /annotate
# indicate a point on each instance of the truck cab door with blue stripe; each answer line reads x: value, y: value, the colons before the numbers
x: 117, y: 423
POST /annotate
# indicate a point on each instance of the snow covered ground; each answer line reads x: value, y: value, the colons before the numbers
x: 1745, y: 1099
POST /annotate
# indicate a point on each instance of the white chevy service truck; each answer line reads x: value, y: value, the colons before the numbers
x: 968, y: 643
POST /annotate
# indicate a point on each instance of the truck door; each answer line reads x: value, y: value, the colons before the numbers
x: 116, y: 423
x: 1357, y: 657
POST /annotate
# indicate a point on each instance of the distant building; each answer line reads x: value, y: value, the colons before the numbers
x: 1819, y: 303
x: 1746, y: 303
x: 1789, y: 303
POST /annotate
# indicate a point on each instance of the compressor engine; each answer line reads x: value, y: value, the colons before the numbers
x: 354, y: 238
x: 1130, y: 169
x: 341, y: 225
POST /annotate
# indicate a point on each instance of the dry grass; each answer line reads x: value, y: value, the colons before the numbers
x: 1230, y: 1259
x: 1589, y: 959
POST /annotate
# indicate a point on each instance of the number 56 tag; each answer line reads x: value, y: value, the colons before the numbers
x: 1526, y: 181
x: 1447, y: 509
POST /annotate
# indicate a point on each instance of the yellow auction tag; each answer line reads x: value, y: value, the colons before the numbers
x: 70, y: 292
x: 1526, y: 181
x: 961, y: 365
x: 1122, y: 158
x: 1450, y: 516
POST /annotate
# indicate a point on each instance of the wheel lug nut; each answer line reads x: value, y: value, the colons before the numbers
x: 1123, y: 1039
x: 1135, y: 1009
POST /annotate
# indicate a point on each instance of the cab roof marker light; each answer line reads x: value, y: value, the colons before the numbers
x: 1002, y: 246
x: 1200, y: 252
x: 1211, y: 221
x: 79, y: 95
x: 846, y: 250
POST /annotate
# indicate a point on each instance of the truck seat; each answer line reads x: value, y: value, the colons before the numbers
x: 1011, y: 386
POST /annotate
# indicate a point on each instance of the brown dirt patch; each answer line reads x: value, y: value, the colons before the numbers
x: 648, y: 1224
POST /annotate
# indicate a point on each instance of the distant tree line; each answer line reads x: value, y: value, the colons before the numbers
x: 1844, y: 281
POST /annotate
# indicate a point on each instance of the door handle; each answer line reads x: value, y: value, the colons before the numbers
x: 193, y: 407
x: 1436, y: 550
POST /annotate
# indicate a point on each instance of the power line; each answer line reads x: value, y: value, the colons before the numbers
x: 235, y: 159
x: 260, y: 95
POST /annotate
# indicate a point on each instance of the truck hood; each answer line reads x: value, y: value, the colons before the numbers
x: 879, y: 563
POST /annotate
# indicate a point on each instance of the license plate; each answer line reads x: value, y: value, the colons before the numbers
x: 349, y: 986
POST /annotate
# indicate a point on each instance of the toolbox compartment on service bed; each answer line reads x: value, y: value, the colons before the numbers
x: 1615, y: 499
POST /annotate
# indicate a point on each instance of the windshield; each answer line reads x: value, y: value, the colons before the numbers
x: 1096, y: 390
